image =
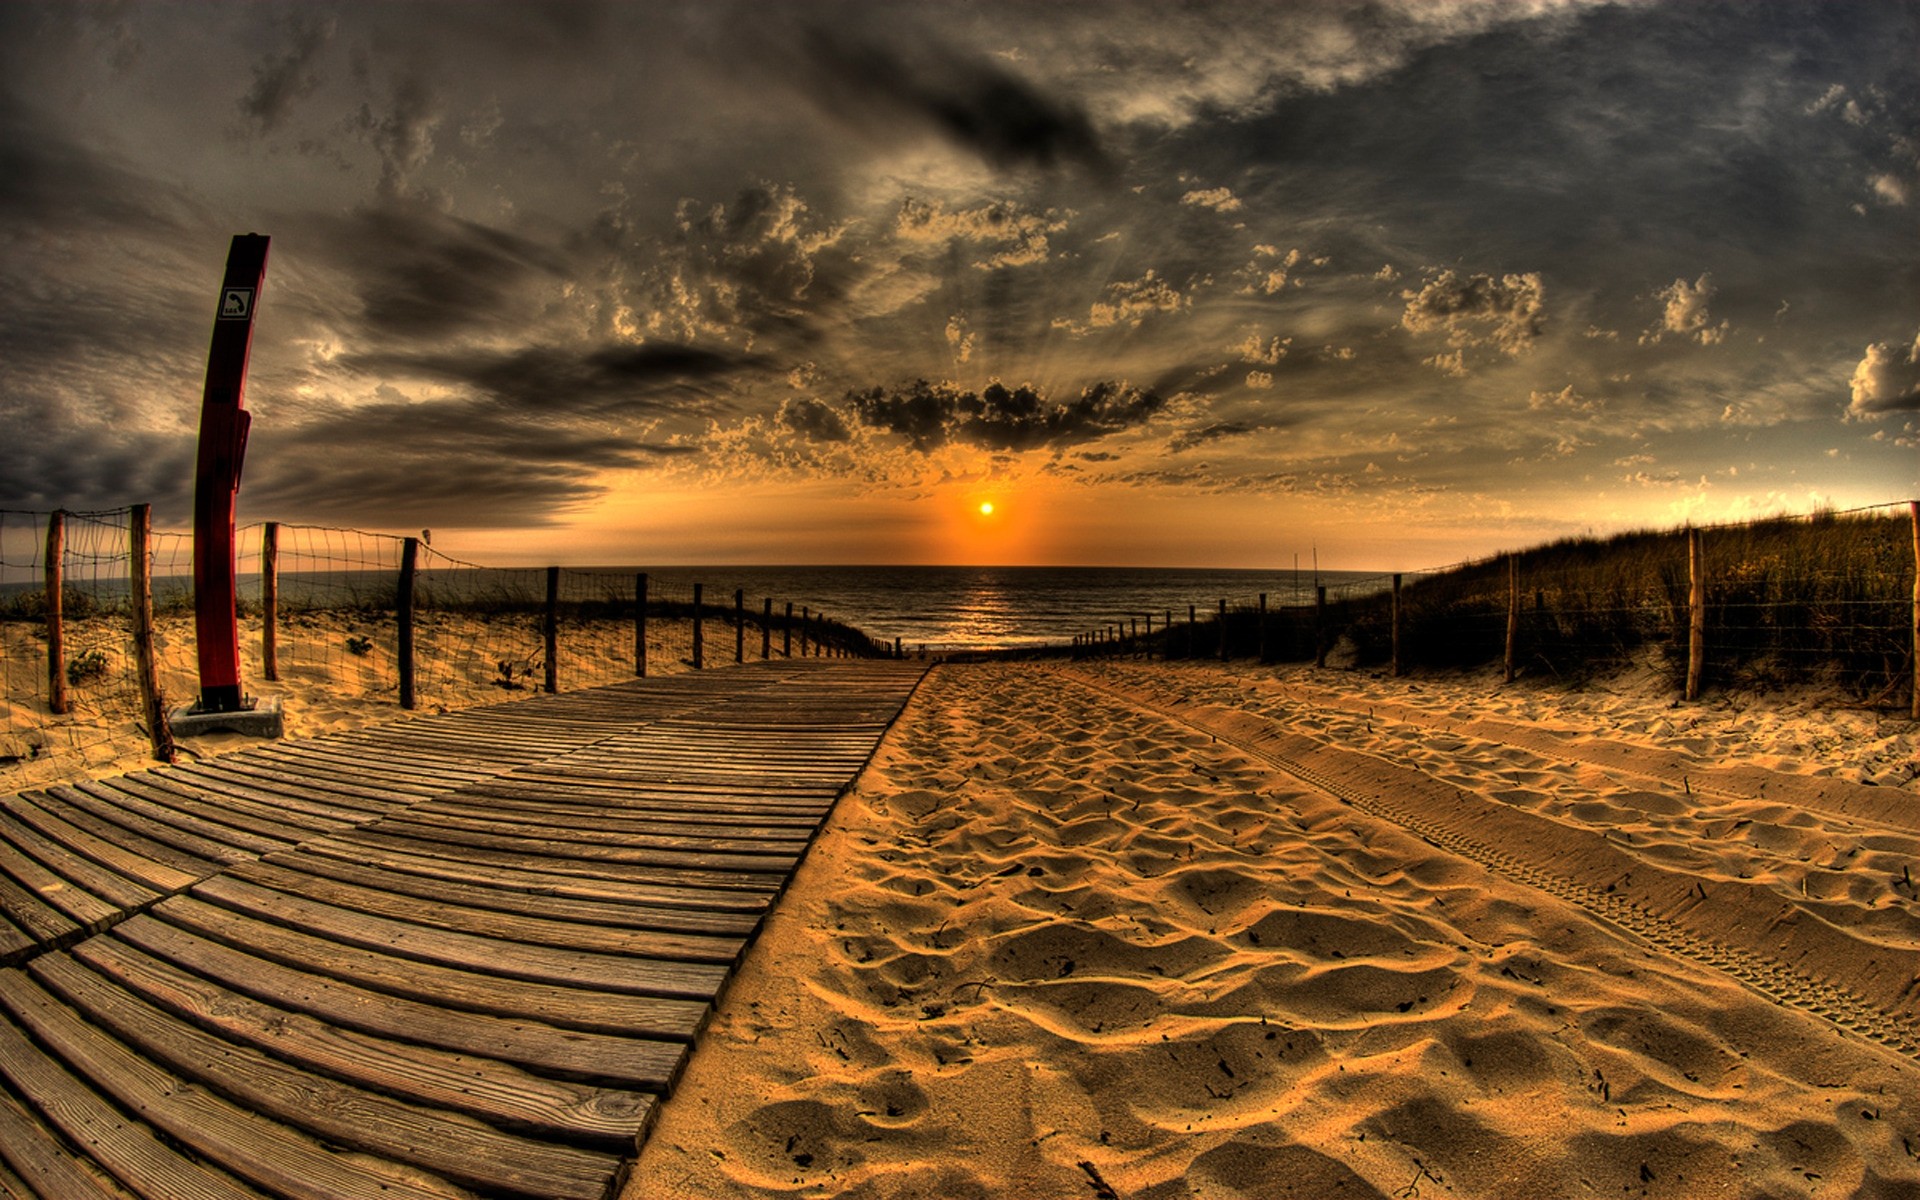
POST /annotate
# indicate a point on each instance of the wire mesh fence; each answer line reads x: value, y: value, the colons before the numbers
x: 1830, y: 597
x: 347, y: 624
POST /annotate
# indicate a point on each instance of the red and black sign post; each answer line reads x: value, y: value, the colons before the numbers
x: 223, y: 445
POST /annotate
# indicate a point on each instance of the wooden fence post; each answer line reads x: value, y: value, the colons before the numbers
x: 1223, y: 629
x: 896, y: 649
x: 739, y: 626
x: 1320, y: 625
x: 1513, y: 611
x: 1696, y: 614
x: 640, y: 625
x: 766, y: 630
x: 270, y: 600
x: 140, y: 580
x: 403, y: 616
x: 786, y: 633
x: 805, y: 629
x: 1149, y: 642
x: 1398, y: 665
x: 553, y: 630
x: 56, y: 589
x: 1914, y: 507
x: 699, y: 631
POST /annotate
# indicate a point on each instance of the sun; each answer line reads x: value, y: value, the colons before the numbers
x: 986, y: 508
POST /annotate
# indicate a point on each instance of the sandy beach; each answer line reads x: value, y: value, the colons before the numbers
x: 1149, y: 931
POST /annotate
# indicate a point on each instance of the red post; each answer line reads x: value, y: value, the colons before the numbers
x: 223, y: 445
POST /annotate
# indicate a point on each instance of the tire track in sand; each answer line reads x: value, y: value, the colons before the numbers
x: 1779, y: 982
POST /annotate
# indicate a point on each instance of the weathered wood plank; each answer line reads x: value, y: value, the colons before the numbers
x: 442, y: 1142
x: 666, y: 978
x: 153, y: 864
x: 690, y: 888
x: 41, y: 1162
x: 509, y: 926
x: 654, y: 1017
x: 677, y: 853
x: 20, y: 843
x: 728, y: 914
x: 619, y: 1062
x: 504, y: 1096
x: 263, y: 1152
x: 198, y: 813
x: 127, y: 1148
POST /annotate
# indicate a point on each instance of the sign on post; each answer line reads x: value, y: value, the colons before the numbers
x: 223, y: 446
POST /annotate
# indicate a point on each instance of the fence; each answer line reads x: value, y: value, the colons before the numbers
x: 1834, y: 596
x: 350, y: 625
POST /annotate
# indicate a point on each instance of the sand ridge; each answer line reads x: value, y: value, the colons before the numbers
x: 1062, y: 940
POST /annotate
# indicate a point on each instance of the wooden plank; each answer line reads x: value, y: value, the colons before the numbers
x: 502, y: 1095
x: 676, y: 852
x: 509, y: 926
x: 40, y: 920
x: 263, y: 1152
x: 572, y: 1008
x: 619, y: 1062
x: 159, y: 839
x: 504, y: 893
x: 14, y: 941
x: 445, y: 1143
x: 106, y: 886
x: 668, y: 908
x: 127, y: 1148
x: 154, y: 864
x: 312, y: 801
x: 690, y: 889
x: 539, y: 816
x: 374, y: 796
x: 197, y: 813
x: 41, y: 1162
x: 630, y: 974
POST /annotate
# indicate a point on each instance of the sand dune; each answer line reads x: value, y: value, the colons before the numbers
x: 1126, y: 930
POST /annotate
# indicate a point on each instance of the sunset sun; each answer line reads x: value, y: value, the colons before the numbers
x: 986, y: 508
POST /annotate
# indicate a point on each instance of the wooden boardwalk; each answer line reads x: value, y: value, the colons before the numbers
x: 454, y: 955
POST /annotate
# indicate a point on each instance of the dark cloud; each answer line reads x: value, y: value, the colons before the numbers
x: 49, y: 181
x: 930, y: 415
x: 814, y: 420
x: 286, y: 77
x: 970, y: 100
x: 457, y: 463
x: 1194, y: 438
x: 644, y: 378
x: 422, y: 274
x: 70, y: 463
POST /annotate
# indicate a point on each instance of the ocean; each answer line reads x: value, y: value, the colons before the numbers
x: 1003, y: 607
x: 944, y: 608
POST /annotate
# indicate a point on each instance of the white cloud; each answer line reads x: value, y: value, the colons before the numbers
x: 1018, y: 238
x: 1685, y: 313
x: 1886, y: 380
x: 1269, y: 268
x: 1129, y: 302
x: 1267, y: 351
x: 1259, y: 381
x: 1218, y: 199
x: 1477, y: 310
x: 960, y: 337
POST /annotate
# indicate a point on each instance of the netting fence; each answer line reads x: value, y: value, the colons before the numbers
x: 348, y: 625
x: 1828, y: 597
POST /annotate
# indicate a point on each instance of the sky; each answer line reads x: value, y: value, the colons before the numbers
x: 1203, y: 284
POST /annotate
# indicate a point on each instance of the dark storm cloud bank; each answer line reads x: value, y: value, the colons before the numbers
x: 464, y: 463
x: 909, y: 80
x: 605, y: 379
x: 930, y: 415
x: 420, y: 274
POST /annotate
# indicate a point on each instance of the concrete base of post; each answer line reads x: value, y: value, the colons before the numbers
x: 263, y: 720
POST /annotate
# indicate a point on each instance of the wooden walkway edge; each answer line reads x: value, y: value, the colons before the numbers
x: 450, y: 956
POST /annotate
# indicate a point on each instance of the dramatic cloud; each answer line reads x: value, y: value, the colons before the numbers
x: 1477, y: 310
x: 1129, y: 302
x: 813, y: 420
x: 971, y: 100
x: 1015, y: 238
x: 1218, y: 199
x: 421, y: 274
x: 1685, y: 313
x: 930, y: 415
x: 1887, y: 380
x: 287, y: 77
x: 618, y: 378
